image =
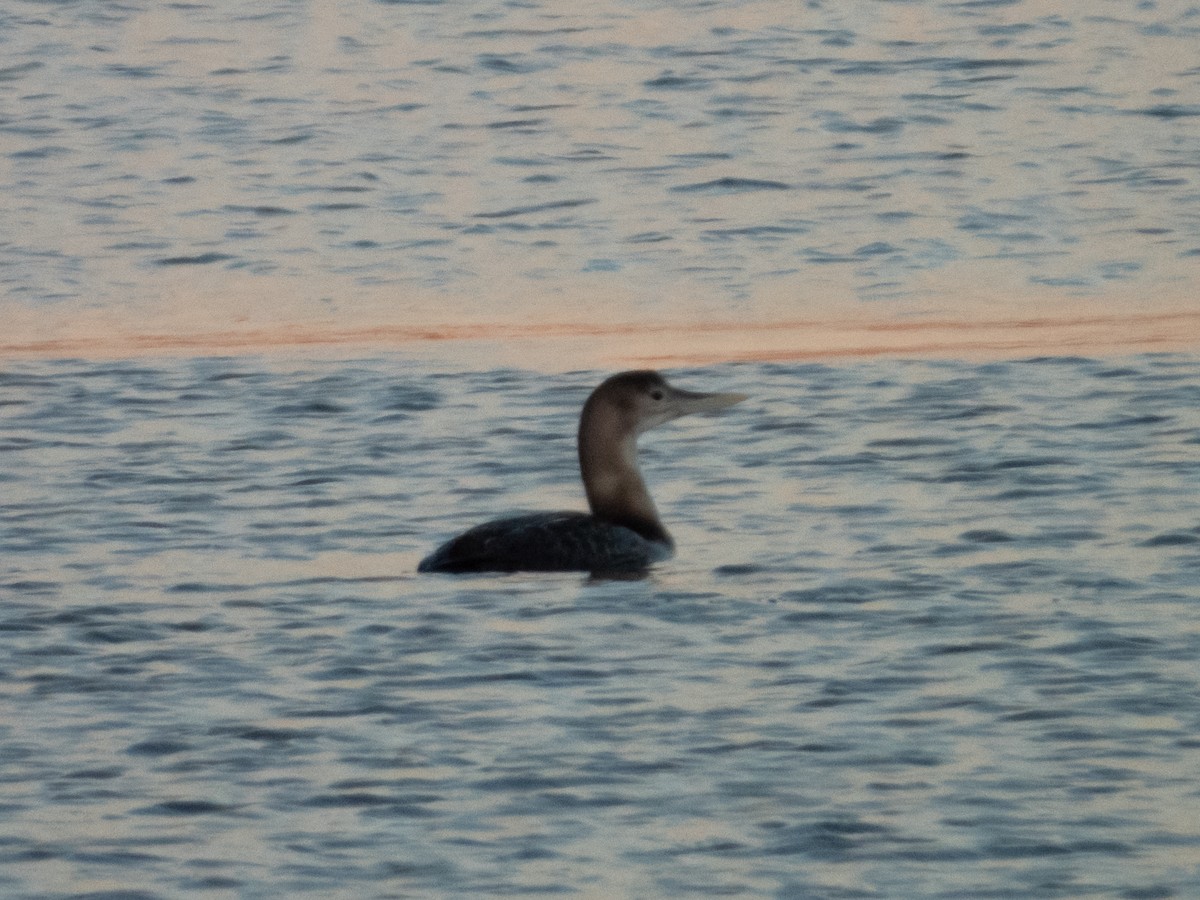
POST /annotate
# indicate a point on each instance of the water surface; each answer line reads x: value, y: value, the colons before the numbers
x: 213, y: 170
x: 932, y: 631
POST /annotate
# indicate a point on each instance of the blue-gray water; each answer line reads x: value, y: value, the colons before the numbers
x: 933, y: 630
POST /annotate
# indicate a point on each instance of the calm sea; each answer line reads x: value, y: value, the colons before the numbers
x: 186, y: 167
x: 933, y: 629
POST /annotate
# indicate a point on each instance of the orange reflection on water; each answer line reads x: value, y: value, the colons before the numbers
x: 566, y: 344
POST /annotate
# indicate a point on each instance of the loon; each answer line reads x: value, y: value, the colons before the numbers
x: 623, y: 533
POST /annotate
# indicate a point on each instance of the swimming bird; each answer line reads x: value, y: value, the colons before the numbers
x: 622, y: 533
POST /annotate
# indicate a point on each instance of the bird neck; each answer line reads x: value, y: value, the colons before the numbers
x: 616, y: 492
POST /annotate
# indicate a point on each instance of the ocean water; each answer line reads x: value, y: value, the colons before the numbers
x: 933, y: 630
x: 215, y: 168
x: 933, y: 627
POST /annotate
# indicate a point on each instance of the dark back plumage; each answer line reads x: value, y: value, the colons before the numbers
x: 546, y: 542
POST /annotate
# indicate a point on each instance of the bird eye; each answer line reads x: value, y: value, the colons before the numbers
x: 656, y: 395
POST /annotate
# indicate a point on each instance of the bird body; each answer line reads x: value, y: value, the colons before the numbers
x: 623, y: 532
x: 547, y: 542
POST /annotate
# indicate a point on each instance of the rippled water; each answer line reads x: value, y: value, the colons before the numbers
x: 628, y: 159
x: 932, y: 631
